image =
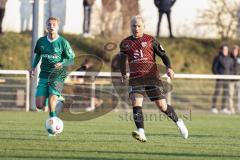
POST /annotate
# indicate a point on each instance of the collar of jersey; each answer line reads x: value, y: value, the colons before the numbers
x: 53, y: 39
x: 137, y: 38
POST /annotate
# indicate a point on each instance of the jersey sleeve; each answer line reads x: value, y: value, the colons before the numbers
x: 122, y: 63
x: 122, y: 56
x: 36, y: 60
x: 37, y: 55
x: 125, y: 46
x: 68, y: 55
x: 37, y: 49
x: 121, y: 47
x: 158, y: 49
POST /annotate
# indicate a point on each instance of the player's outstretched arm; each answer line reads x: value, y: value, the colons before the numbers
x: 123, y: 62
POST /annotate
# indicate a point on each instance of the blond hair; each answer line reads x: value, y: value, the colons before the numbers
x: 137, y: 17
x: 53, y: 19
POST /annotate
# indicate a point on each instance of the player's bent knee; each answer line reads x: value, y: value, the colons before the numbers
x: 162, y: 104
x: 137, y: 99
x: 163, y: 108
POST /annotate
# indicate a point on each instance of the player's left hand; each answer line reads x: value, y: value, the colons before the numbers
x: 58, y: 65
x: 170, y: 73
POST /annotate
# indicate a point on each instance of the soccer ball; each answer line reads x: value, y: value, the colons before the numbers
x: 54, y: 125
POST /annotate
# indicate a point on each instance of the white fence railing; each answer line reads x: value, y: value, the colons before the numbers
x: 188, y: 89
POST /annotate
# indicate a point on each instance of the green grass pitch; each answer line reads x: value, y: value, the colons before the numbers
x: 22, y: 136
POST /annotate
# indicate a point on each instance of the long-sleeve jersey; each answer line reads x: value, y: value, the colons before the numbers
x: 140, y: 53
x: 57, y: 51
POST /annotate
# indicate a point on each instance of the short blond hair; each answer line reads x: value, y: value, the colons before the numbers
x: 137, y: 17
x: 53, y: 19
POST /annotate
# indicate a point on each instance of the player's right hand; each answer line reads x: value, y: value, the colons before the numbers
x: 32, y: 72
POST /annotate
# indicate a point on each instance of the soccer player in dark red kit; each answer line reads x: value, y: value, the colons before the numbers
x: 139, y: 50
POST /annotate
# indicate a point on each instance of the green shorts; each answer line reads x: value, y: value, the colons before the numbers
x: 44, y: 89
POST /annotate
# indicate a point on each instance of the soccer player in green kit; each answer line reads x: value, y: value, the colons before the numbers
x: 56, y: 53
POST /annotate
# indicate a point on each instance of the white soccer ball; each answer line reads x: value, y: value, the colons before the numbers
x: 54, y: 125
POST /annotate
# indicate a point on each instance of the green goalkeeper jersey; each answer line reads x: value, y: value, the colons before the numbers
x: 52, y: 52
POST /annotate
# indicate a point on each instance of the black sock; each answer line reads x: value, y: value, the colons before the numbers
x: 138, y: 117
x: 171, y: 113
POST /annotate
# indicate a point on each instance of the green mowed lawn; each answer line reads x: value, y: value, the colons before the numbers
x: 23, y: 136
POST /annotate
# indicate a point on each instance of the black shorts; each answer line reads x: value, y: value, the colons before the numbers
x: 153, y: 92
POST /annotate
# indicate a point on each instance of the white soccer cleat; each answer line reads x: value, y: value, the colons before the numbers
x: 182, y: 128
x: 139, y: 136
x: 214, y: 111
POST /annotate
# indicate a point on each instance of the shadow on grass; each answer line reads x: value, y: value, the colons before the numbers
x: 54, y: 139
x: 175, y: 154
x: 62, y: 157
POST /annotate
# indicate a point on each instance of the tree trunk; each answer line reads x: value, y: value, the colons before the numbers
x: 129, y: 8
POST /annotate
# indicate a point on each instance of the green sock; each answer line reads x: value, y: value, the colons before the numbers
x: 53, y: 114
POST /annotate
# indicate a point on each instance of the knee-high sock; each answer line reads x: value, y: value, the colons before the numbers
x: 171, y: 113
x: 138, y: 117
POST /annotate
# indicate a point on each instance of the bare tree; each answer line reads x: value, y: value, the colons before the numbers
x: 115, y: 16
x: 110, y: 18
x: 222, y: 16
x: 129, y: 8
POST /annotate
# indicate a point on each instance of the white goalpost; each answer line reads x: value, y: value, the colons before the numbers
x: 14, y: 84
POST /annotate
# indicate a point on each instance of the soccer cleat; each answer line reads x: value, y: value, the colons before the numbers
x: 214, y: 111
x: 182, y: 128
x: 139, y: 136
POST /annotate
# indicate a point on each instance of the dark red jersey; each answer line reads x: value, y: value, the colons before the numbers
x: 141, y: 53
